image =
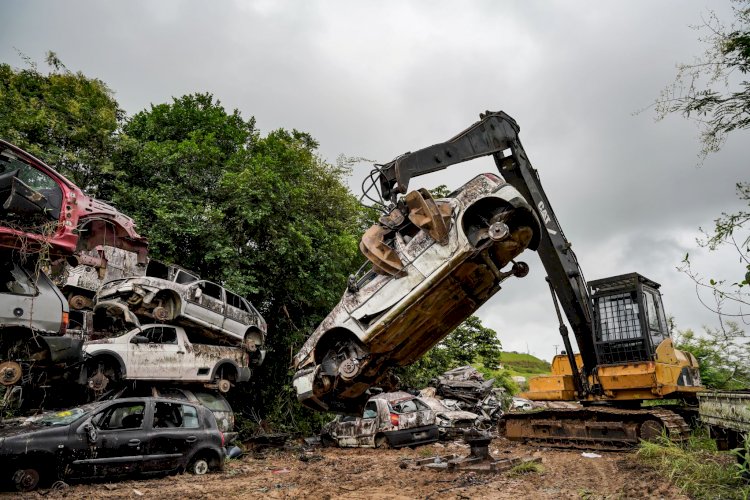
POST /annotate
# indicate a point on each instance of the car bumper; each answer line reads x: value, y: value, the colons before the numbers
x: 410, y: 437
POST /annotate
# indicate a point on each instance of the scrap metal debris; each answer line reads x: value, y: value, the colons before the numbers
x: 478, y: 460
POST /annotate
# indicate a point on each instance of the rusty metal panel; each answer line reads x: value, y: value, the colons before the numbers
x: 730, y: 410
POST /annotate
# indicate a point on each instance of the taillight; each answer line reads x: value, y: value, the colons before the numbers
x: 222, y: 438
x: 64, y: 324
x: 394, y: 419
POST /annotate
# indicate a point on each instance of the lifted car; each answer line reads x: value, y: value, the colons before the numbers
x: 389, y: 420
x: 110, y: 439
x: 427, y: 255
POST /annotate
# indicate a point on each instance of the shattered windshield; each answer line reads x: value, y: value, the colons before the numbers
x: 63, y: 417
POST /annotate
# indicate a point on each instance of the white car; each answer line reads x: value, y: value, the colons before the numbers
x: 434, y: 263
x: 158, y: 352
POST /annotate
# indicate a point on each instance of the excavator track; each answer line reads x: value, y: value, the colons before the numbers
x: 600, y: 428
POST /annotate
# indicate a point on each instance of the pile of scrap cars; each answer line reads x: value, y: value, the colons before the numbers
x: 91, y: 314
x: 85, y: 315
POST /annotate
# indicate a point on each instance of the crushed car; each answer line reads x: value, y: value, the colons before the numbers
x: 41, y: 209
x: 34, y: 344
x: 452, y: 424
x: 158, y: 352
x: 389, y: 420
x: 180, y: 297
x: 109, y: 439
x: 426, y: 255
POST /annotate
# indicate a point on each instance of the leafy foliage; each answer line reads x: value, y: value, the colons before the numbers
x: 66, y: 119
x: 265, y: 216
x: 713, y: 89
x: 722, y: 353
x: 470, y: 343
x: 696, y: 467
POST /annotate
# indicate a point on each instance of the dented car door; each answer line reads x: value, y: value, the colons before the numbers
x: 205, y: 304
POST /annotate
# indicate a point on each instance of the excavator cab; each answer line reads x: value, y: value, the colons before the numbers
x: 629, y: 320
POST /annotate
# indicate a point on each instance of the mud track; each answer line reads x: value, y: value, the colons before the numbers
x: 368, y: 473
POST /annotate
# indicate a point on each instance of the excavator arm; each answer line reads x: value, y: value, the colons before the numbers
x: 496, y: 134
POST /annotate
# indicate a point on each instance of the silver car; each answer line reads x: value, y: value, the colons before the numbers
x: 218, y: 313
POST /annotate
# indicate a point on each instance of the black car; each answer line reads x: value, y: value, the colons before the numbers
x: 112, y: 438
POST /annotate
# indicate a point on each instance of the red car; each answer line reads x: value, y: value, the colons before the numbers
x: 39, y: 207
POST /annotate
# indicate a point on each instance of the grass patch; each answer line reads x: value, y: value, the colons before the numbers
x: 696, y: 467
x: 527, y: 468
x: 523, y: 364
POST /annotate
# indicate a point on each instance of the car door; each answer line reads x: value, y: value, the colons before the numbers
x: 164, y: 357
x: 368, y: 425
x: 118, y: 440
x: 237, y: 317
x: 344, y: 430
x: 205, y: 304
x: 176, y: 429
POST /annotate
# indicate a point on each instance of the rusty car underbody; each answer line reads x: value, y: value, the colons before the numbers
x: 427, y: 255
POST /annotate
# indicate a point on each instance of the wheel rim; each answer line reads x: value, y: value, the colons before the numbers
x: 200, y: 467
x: 26, y: 479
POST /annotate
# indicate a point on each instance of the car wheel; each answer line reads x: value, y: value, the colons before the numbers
x: 198, y: 466
x: 381, y: 442
x: 27, y: 479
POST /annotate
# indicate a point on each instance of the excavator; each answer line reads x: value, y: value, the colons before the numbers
x: 626, y: 354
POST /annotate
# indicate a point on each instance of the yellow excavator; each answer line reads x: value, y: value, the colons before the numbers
x: 626, y: 353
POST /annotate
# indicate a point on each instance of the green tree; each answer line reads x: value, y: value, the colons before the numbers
x: 722, y: 353
x: 265, y: 216
x: 66, y: 119
x: 470, y: 343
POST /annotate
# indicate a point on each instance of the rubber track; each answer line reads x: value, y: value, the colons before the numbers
x: 676, y: 427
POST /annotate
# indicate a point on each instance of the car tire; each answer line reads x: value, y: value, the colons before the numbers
x: 382, y: 443
x: 199, y: 466
x: 26, y: 478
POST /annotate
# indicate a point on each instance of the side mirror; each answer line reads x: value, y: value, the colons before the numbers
x: 139, y: 339
x: 90, y: 433
x: 197, y: 293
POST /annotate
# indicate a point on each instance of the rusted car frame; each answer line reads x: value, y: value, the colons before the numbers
x: 389, y: 420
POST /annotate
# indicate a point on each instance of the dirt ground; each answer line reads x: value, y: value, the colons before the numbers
x: 367, y: 473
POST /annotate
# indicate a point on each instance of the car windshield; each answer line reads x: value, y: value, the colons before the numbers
x: 64, y: 417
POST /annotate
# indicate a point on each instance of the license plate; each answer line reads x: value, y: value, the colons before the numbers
x: 420, y: 435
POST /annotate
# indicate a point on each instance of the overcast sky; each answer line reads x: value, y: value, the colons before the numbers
x: 377, y: 79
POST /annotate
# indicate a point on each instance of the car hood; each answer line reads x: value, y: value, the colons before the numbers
x: 32, y: 430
